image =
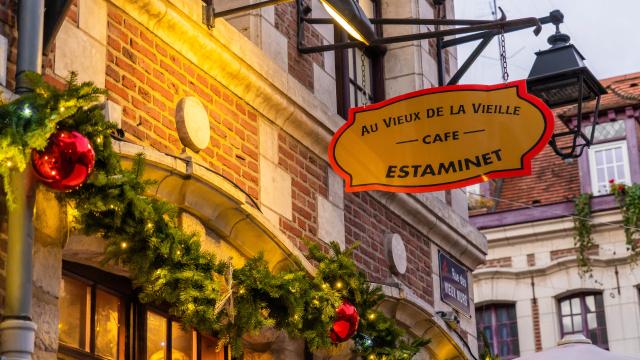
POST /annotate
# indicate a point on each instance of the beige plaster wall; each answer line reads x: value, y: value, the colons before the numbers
x: 552, y: 279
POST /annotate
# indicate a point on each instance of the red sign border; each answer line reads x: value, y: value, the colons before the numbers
x: 520, y: 85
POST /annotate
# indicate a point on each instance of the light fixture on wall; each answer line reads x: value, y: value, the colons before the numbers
x: 560, y: 78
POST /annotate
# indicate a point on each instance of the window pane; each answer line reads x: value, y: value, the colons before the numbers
x: 209, y: 349
x: 566, y: 324
x: 503, y: 332
x: 589, y: 300
x: 602, y: 177
x: 618, y: 154
x: 620, y: 175
x: 599, y: 158
x: 608, y: 156
x: 565, y: 307
x: 501, y: 314
x: 576, y: 308
x: 486, y: 317
x: 75, y: 304
x: 181, y: 343
x: 109, y: 324
x: 577, y: 323
x: 591, y: 321
x: 156, y: 336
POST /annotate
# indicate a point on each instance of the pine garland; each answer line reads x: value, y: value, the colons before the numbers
x: 167, y: 265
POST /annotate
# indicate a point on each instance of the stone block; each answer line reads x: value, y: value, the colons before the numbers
x: 324, y: 88
x: 47, y: 269
x: 48, y: 222
x: 336, y: 189
x: 402, y: 85
x: 191, y: 224
x: 274, y: 44
x: 402, y: 61
x: 268, y: 141
x: 275, y: 189
x: 113, y: 113
x: 269, y: 14
x: 330, y: 222
x: 272, y: 216
x: 79, y: 52
x: 459, y: 203
x: 92, y: 16
x: 44, y: 313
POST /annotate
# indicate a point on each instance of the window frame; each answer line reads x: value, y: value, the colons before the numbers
x: 342, y: 67
x: 494, y: 341
x: 135, y: 315
x: 593, y: 175
x: 584, y: 318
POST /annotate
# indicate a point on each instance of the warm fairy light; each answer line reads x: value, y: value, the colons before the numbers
x: 149, y: 225
x: 9, y: 164
x: 241, y: 291
x: 123, y: 245
x: 178, y: 252
x: 344, y: 23
x: 372, y: 316
x: 99, y: 139
x: 325, y: 286
x: 339, y: 284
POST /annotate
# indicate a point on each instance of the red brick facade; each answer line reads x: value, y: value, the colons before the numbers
x: 147, y: 78
x: 367, y: 221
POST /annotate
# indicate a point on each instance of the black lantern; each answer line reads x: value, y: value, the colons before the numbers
x: 351, y: 18
x: 559, y: 77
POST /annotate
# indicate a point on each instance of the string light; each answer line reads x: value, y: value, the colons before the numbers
x: 123, y: 245
x: 372, y: 316
x: 99, y: 140
x: 26, y: 111
x: 339, y: 285
x: 9, y: 163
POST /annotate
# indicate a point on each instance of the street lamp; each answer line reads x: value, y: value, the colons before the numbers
x: 559, y: 77
x: 351, y: 18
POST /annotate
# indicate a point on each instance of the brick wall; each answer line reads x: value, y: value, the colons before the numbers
x: 147, y: 78
x: 308, y: 180
x: 571, y: 252
x: 367, y: 221
x: 504, y: 262
x: 300, y: 66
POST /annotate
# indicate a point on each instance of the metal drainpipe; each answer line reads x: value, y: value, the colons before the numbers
x: 17, y: 331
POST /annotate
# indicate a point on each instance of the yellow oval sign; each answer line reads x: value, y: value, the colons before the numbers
x: 441, y: 138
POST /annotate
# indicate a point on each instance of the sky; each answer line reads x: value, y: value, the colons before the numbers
x: 605, y: 32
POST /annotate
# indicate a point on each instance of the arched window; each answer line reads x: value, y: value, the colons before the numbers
x: 499, y: 325
x: 584, y: 314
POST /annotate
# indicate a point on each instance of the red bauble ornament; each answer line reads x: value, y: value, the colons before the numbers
x: 345, y: 324
x: 66, y: 162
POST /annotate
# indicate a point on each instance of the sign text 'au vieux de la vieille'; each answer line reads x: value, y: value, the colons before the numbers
x: 441, y: 138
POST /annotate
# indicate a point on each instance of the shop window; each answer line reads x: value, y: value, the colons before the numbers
x: 96, y: 322
x: 584, y: 314
x: 608, y: 161
x: 499, y: 325
x: 91, y: 321
x: 351, y: 64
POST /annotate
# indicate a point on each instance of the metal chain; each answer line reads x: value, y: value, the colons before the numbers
x: 364, y: 79
x: 503, y: 57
